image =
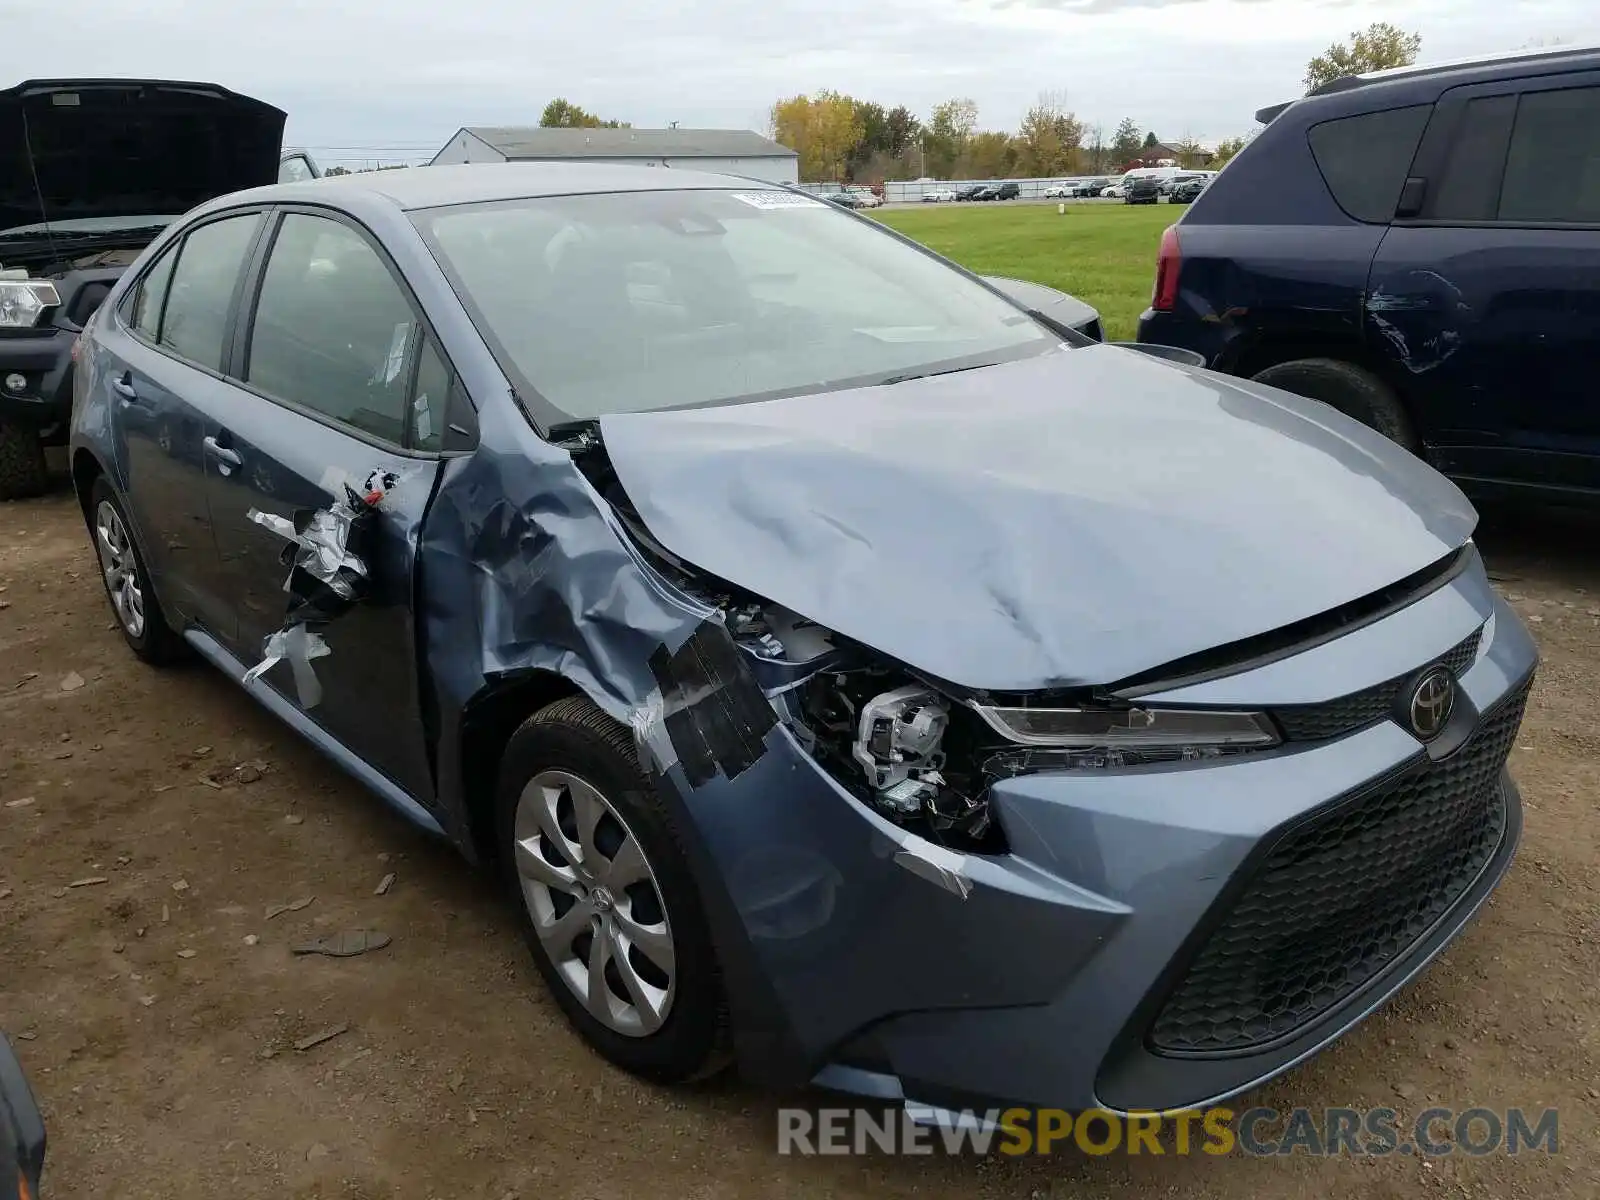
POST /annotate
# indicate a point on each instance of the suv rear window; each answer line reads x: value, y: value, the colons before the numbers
x: 1553, y: 170
x: 1364, y: 159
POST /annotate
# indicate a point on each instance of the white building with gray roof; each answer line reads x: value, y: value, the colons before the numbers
x: 733, y: 151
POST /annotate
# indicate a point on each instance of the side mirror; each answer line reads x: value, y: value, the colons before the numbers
x: 1175, y: 354
x: 1055, y: 308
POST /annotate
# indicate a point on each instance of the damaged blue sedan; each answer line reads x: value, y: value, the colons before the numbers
x: 854, y: 672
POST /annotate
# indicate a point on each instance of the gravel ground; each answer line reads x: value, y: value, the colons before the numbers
x: 151, y: 820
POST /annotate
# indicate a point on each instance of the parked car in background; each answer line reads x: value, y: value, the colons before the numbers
x: 1060, y: 191
x: 784, y: 652
x: 1445, y: 232
x: 969, y: 191
x: 1085, y: 188
x: 999, y: 191
x: 1114, y: 191
x: 1142, y: 189
x: 22, y: 1134
x: 938, y: 196
x: 868, y: 197
x: 1172, y: 181
x: 91, y: 171
x: 1188, y: 190
x: 846, y: 200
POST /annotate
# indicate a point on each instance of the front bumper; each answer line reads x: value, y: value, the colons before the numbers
x: 875, y: 963
x: 43, y: 357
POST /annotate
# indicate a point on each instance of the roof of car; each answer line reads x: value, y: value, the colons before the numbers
x: 524, y: 142
x: 1537, y: 60
x: 477, y: 183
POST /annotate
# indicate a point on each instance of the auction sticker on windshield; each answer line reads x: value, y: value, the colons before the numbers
x: 776, y: 200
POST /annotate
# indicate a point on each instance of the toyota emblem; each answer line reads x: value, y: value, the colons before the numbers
x: 1432, y: 701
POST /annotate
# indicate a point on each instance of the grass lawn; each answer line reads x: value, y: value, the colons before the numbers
x: 1104, y: 254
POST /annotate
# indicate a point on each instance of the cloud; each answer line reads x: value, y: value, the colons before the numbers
x: 1091, y: 7
x: 390, y: 79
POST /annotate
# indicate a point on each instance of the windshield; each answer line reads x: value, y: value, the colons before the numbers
x: 648, y: 300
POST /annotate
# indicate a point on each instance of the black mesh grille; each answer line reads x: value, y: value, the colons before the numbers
x: 1335, y: 718
x: 1341, y: 897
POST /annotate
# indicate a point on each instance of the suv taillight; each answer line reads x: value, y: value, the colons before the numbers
x: 1168, y: 262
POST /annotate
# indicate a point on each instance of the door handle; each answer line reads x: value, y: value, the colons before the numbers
x: 225, y: 457
x: 122, y: 385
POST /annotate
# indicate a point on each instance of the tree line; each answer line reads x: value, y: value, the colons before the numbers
x: 841, y: 138
x: 846, y: 139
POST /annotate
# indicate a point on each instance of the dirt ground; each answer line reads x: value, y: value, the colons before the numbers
x: 157, y: 1007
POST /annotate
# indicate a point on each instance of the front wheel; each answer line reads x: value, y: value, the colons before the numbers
x: 607, y: 902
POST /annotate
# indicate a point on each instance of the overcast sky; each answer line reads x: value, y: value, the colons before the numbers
x: 393, y: 79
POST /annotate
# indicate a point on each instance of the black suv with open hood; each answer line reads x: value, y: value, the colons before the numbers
x: 91, y: 170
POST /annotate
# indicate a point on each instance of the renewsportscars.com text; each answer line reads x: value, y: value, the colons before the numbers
x: 1259, y: 1132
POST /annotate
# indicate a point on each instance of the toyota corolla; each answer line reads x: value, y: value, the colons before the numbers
x: 853, y: 673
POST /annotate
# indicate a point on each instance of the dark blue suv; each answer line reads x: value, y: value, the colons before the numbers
x: 1421, y: 249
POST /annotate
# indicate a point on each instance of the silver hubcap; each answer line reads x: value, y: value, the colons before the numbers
x: 595, y: 903
x: 121, y: 571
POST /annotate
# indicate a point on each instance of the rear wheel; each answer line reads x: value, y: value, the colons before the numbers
x: 122, y: 569
x: 609, y: 907
x: 1353, y: 390
x: 22, y: 469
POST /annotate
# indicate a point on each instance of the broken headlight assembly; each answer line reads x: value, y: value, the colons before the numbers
x: 927, y: 761
x: 908, y: 751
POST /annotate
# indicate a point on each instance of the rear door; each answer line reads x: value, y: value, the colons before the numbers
x: 1489, y: 293
x: 339, y: 382
x: 162, y: 373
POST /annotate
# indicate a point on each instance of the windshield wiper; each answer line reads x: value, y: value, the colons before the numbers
x: 910, y: 375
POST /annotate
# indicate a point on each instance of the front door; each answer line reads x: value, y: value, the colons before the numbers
x: 336, y: 377
x: 1490, y: 295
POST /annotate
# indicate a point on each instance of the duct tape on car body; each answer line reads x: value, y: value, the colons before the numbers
x: 713, y: 713
x: 326, y: 574
x: 297, y: 646
x: 937, y: 864
x: 656, y: 754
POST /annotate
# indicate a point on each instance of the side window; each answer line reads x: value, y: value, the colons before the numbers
x: 201, y: 292
x: 1470, y: 187
x: 151, y: 295
x: 430, y: 400
x: 1365, y: 159
x: 333, y: 331
x: 1553, y: 166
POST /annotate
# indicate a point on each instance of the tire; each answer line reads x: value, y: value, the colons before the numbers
x: 572, y: 746
x: 22, y: 469
x: 121, y: 564
x: 1353, y: 390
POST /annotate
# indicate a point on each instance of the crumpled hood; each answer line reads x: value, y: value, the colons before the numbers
x: 1076, y: 518
x: 128, y: 147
